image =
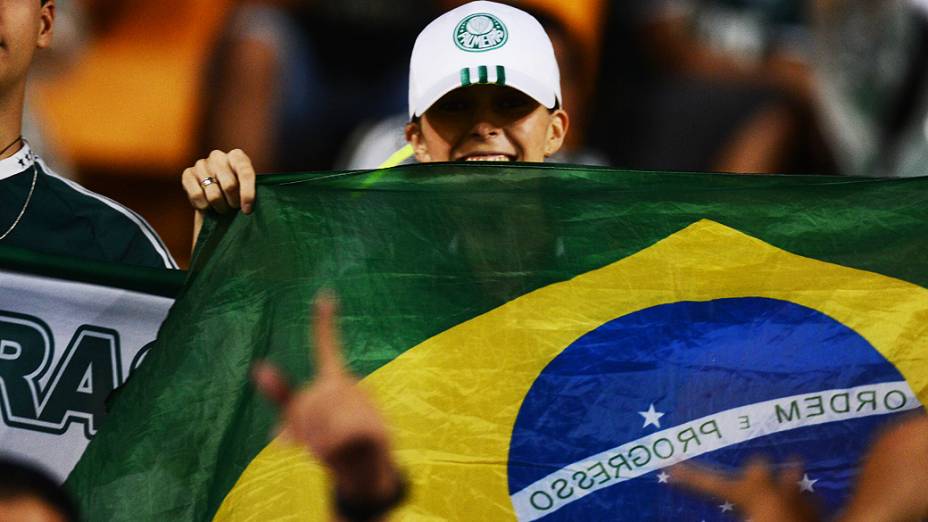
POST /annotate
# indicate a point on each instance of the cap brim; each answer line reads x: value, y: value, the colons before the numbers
x: 511, y: 78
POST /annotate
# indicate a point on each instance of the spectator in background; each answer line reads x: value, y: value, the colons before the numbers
x: 39, y: 210
x: 292, y: 78
x: 872, y: 65
x: 30, y: 495
x: 684, y: 104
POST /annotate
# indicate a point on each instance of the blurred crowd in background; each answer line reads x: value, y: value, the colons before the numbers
x: 135, y: 90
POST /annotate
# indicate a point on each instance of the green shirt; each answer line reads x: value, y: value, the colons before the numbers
x: 64, y: 218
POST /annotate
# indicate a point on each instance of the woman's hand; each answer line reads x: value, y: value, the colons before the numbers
x: 223, y: 181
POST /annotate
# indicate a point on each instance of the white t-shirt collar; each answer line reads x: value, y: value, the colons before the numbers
x: 22, y: 160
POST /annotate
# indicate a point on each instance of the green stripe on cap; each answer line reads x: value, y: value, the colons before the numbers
x: 500, y: 75
x: 465, y: 77
x: 482, y: 74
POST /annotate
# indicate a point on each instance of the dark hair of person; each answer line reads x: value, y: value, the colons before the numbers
x: 21, y: 480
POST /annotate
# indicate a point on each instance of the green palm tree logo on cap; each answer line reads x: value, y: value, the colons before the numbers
x: 480, y: 32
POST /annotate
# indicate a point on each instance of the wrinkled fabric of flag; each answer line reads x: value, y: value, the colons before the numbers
x: 545, y: 342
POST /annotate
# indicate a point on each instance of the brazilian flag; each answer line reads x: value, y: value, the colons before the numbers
x: 545, y: 342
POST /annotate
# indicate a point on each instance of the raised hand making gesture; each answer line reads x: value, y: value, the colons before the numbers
x: 338, y: 423
x: 890, y: 486
x: 759, y: 493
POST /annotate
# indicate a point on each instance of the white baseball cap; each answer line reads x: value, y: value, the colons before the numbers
x: 482, y: 43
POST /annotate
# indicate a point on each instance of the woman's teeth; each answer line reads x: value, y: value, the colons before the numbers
x: 496, y: 157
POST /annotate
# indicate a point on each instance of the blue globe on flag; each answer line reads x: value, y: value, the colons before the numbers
x: 717, y: 382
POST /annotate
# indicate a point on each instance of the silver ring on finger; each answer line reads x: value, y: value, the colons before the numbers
x: 207, y: 182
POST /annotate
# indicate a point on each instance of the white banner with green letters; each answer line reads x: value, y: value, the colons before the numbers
x: 71, y: 332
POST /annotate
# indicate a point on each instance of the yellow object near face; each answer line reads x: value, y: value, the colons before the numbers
x: 487, y: 123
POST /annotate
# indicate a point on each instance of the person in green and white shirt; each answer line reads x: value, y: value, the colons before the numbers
x: 39, y: 210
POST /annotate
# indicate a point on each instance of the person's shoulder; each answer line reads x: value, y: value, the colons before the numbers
x: 122, y: 233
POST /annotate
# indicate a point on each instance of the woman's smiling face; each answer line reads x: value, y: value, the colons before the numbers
x: 487, y: 123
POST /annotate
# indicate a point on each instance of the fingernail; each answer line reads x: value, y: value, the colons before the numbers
x: 246, y: 208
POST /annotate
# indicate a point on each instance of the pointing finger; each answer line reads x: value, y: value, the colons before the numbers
x: 328, y: 347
